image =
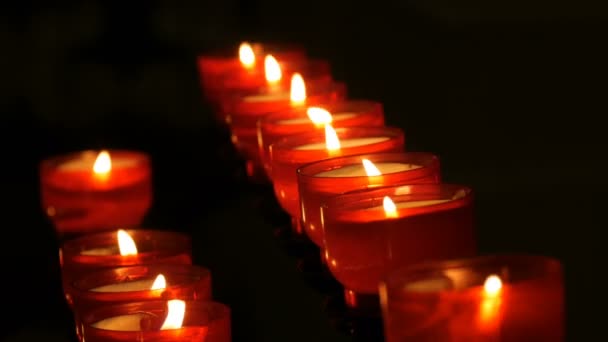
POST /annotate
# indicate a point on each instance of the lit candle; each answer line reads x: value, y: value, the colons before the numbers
x: 369, y: 232
x: 506, y: 298
x: 88, y: 191
x: 323, y: 179
x: 133, y: 322
x: 245, y: 110
x: 291, y: 153
x: 95, y: 252
x: 162, y: 321
x: 286, y: 123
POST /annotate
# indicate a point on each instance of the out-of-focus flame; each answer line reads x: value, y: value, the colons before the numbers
x: 175, y: 316
x: 390, y: 210
x: 318, y: 116
x: 370, y: 169
x: 297, y: 93
x: 159, y: 283
x: 103, y: 163
x: 492, y: 285
x: 272, y: 70
x: 126, y: 245
x: 332, y: 143
x: 246, y: 55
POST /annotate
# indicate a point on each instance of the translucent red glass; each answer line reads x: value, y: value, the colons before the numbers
x: 222, y: 67
x: 448, y: 301
x: 286, y: 157
x: 346, y: 113
x: 203, y: 321
x: 316, y: 185
x: 78, y: 201
x: 94, y: 252
x: 244, y: 117
x: 182, y: 282
x: 362, y: 243
x: 186, y: 282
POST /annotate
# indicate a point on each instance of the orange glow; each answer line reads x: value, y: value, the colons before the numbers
x: 246, y: 55
x: 298, y: 89
x: 332, y: 143
x: 159, y: 283
x: 103, y: 164
x: 272, y: 70
x: 390, y: 210
x: 318, y: 116
x: 370, y: 169
x: 175, y: 316
x: 126, y: 245
x: 489, y: 310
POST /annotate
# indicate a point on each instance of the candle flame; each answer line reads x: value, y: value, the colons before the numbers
x: 332, y: 143
x: 126, y: 245
x: 175, y: 316
x: 103, y: 163
x: 390, y: 210
x: 272, y: 70
x: 159, y: 283
x: 318, y: 116
x: 492, y: 286
x: 298, y: 89
x: 370, y: 169
x: 246, y: 55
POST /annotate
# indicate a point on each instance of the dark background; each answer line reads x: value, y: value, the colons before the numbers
x: 510, y: 94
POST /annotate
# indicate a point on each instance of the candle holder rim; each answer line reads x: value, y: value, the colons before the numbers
x: 192, y: 270
x: 309, y: 171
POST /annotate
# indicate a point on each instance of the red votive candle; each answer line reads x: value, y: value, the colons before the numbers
x: 319, y: 181
x: 370, y: 232
x: 90, y: 191
x: 86, y: 254
x: 136, y: 284
x: 249, y: 109
x: 504, y: 298
x: 289, y: 154
x: 147, y: 321
x: 245, y: 64
x: 345, y: 113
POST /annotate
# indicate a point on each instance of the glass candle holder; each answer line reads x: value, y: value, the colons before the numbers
x: 78, y: 199
x: 366, y: 237
x: 246, y: 113
x: 345, y: 113
x: 86, y: 254
x: 141, y: 321
x: 134, y: 284
x: 506, y: 298
x: 217, y: 67
x: 322, y: 180
x: 289, y: 154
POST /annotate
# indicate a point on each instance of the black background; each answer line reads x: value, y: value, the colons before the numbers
x: 510, y: 94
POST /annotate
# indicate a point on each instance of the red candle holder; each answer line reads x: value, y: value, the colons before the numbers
x: 79, y: 200
x: 322, y: 180
x: 86, y: 254
x: 345, y: 113
x: 287, y: 155
x: 506, y: 298
x: 203, y: 321
x: 246, y: 114
x: 133, y: 284
x: 363, y: 241
x: 215, y: 68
